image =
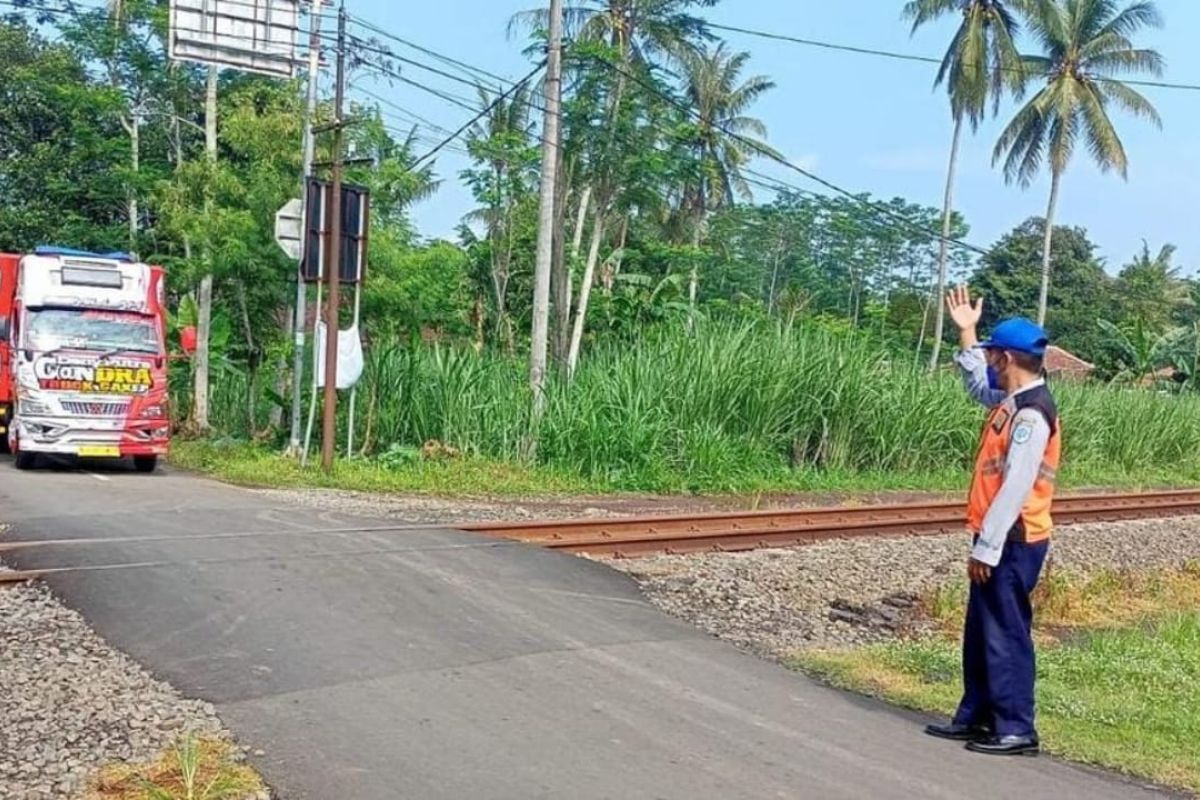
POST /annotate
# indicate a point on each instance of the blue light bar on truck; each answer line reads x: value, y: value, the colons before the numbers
x: 72, y: 253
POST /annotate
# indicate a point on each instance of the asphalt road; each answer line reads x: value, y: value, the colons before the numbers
x: 429, y: 664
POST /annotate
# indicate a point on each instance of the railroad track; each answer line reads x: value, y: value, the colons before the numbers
x: 632, y: 537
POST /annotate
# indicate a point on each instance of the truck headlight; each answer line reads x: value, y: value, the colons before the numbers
x: 35, y: 408
x: 156, y: 411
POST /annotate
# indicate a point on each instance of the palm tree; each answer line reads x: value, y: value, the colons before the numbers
x: 639, y: 32
x: 725, y: 138
x: 980, y: 64
x: 1087, y: 45
x: 499, y: 143
x: 643, y: 30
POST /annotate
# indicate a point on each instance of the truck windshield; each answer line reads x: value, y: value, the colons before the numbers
x: 57, y: 328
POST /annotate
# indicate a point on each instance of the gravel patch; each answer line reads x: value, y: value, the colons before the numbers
x: 859, y: 591
x: 69, y: 703
x: 433, y: 510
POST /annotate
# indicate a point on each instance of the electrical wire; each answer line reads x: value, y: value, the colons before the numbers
x: 918, y: 58
x: 483, y: 113
x: 469, y: 68
x: 755, y: 148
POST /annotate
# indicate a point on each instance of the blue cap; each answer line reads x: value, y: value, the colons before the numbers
x: 1019, y: 335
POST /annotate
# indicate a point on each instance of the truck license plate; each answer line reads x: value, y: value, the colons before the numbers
x: 100, y: 451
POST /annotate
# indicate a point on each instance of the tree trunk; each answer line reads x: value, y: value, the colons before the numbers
x: 585, y: 289
x: 694, y: 276
x: 580, y: 219
x: 609, y: 276
x: 944, y: 247
x: 1043, y: 299
x: 251, y: 361
x: 135, y: 146
x: 204, y: 323
x: 773, y: 296
x: 560, y: 279
x: 545, y: 239
x: 924, y: 325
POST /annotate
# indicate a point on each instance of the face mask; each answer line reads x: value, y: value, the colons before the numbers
x: 993, y: 379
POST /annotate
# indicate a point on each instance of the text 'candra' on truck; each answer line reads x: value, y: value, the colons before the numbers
x: 83, y: 360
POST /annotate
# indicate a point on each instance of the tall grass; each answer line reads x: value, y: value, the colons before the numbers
x: 739, y: 406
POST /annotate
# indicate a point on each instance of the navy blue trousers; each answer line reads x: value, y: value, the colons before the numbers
x: 998, y: 660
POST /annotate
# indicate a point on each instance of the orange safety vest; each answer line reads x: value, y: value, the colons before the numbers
x: 1034, y: 524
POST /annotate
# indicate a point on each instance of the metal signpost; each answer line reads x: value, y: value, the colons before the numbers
x: 260, y: 36
x: 349, y: 259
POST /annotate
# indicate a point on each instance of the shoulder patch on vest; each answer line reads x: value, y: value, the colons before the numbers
x: 1022, y: 433
x: 1001, y: 420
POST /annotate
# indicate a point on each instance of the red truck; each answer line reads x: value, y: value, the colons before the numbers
x: 83, y: 360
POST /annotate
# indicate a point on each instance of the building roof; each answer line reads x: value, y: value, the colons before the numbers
x: 1059, y: 360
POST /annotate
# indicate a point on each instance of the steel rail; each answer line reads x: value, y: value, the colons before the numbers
x: 630, y: 537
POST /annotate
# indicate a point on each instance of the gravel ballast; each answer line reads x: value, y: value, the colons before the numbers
x: 858, y: 591
x: 70, y: 704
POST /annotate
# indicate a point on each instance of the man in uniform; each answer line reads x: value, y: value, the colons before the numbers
x: 1008, y: 511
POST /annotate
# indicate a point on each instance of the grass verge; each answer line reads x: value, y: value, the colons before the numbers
x: 195, y: 769
x: 250, y: 465
x: 1118, y: 671
x: 253, y: 465
x: 736, y: 408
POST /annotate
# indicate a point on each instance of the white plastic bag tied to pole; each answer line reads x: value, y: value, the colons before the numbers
x: 349, y: 357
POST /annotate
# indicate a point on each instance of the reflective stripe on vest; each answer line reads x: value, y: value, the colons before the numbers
x: 1035, y: 522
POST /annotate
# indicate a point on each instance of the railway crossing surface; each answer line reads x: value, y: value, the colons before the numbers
x: 431, y: 663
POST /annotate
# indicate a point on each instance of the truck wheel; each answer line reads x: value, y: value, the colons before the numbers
x: 145, y: 463
x: 25, y: 460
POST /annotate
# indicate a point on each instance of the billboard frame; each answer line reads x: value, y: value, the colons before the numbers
x: 257, y: 36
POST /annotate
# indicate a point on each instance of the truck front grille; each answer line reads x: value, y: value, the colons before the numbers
x: 81, y: 409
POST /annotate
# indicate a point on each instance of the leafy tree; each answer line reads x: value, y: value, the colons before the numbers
x: 1151, y: 291
x: 724, y: 139
x: 1136, y: 353
x: 1087, y: 46
x: 980, y: 64
x: 504, y: 175
x: 1009, y: 277
x: 61, y: 148
x: 415, y: 291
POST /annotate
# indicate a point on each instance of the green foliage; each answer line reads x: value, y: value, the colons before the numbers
x: 1010, y: 275
x: 1122, y: 698
x: 1087, y: 47
x: 744, y: 406
x: 982, y: 60
x: 61, y: 148
x: 418, y: 290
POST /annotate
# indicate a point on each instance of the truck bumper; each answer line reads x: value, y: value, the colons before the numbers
x: 87, y: 436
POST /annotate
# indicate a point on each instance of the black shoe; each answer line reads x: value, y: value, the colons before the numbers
x: 959, y: 733
x: 1006, y: 746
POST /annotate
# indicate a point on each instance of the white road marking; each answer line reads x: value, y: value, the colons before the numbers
x: 103, y: 478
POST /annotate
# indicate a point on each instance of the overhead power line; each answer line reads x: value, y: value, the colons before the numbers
x: 469, y: 68
x: 868, y: 51
x: 483, y: 113
x: 756, y: 149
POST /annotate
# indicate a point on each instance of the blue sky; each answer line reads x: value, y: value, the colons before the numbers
x: 864, y: 123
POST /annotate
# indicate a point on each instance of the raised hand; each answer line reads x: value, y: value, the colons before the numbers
x: 965, y: 314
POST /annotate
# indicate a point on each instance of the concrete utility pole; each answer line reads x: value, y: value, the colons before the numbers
x: 545, y: 241
x: 333, y: 277
x: 204, y: 302
x: 301, y: 316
